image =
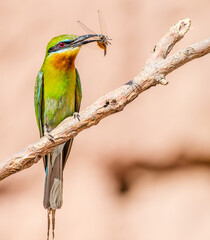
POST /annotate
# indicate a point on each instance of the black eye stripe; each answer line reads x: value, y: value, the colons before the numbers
x: 58, y: 46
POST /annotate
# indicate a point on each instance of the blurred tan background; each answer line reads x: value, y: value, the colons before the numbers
x: 141, y: 174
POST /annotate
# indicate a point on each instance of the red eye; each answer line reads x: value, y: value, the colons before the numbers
x: 61, y: 44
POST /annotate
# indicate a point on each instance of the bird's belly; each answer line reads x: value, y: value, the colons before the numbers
x: 57, y: 110
x: 59, y: 103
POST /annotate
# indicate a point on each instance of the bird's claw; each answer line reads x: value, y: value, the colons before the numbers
x: 50, y: 137
x: 76, y: 116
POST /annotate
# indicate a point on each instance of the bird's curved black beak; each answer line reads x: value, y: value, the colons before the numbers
x: 84, y: 39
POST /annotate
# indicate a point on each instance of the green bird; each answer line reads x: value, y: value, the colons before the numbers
x: 58, y: 95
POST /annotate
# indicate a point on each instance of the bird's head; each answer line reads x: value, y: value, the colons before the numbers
x: 62, y: 50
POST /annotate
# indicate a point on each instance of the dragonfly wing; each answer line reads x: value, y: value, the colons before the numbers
x: 102, y: 23
x: 84, y: 27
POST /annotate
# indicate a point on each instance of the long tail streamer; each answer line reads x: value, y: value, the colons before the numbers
x: 50, y: 211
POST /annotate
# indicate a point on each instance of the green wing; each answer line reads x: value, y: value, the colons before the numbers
x: 38, y: 94
x: 78, y: 92
x: 78, y: 98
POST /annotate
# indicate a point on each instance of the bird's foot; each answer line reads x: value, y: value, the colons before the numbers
x: 77, y: 116
x: 50, y: 137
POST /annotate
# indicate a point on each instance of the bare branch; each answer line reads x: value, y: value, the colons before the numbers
x: 154, y: 72
x: 175, y: 34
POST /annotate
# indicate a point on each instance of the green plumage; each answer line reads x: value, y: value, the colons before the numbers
x: 57, y: 96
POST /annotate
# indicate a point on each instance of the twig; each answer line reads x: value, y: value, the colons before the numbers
x: 154, y: 72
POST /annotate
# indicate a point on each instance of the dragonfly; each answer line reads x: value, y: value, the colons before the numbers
x: 102, y: 39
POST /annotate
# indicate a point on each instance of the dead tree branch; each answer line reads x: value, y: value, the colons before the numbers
x: 157, y: 67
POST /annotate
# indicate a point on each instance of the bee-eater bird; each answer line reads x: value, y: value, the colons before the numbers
x: 57, y: 96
